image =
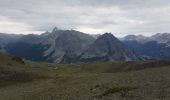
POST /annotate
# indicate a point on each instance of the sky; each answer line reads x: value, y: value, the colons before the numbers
x: 120, y: 17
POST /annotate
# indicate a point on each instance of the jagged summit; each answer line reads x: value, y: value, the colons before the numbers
x: 108, y: 37
x: 54, y: 29
x: 107, y: 34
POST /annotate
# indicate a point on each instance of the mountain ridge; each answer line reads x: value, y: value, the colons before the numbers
x: 155, y: 47
x: 66, y: 46
x: 71, y: 46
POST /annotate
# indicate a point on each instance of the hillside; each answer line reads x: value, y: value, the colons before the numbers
x: 143, y: 80
x: 14, y: 70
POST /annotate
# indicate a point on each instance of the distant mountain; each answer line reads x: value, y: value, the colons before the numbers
x: 139, y: 38
x: 6, y: 39
x: 156, y: 47
x: 29, y: 46
x: 159, y: 37
x: 151, y: 49
x: 107, y: 48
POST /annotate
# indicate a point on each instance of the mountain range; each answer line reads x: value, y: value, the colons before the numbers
x: 71, y: 46
x: 68, y: 46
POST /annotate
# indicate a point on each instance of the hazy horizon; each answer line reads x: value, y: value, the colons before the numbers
x: 119, y: 17
x: 85, y: 33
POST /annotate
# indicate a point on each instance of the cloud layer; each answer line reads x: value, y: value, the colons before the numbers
x: 121, y: 17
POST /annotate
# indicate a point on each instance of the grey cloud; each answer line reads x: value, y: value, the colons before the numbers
x: 92, y: 16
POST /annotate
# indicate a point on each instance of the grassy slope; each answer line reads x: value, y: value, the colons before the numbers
x: 13, y: 71
x: 100, y: 81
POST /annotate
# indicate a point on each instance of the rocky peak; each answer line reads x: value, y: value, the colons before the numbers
x: 108, y: 48
x: 107, y: 35
x: 107, y: 41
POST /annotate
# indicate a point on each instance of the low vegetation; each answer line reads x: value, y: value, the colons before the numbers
x: 143, y: 80
x: 14, y: 70
x: 116, y: 89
